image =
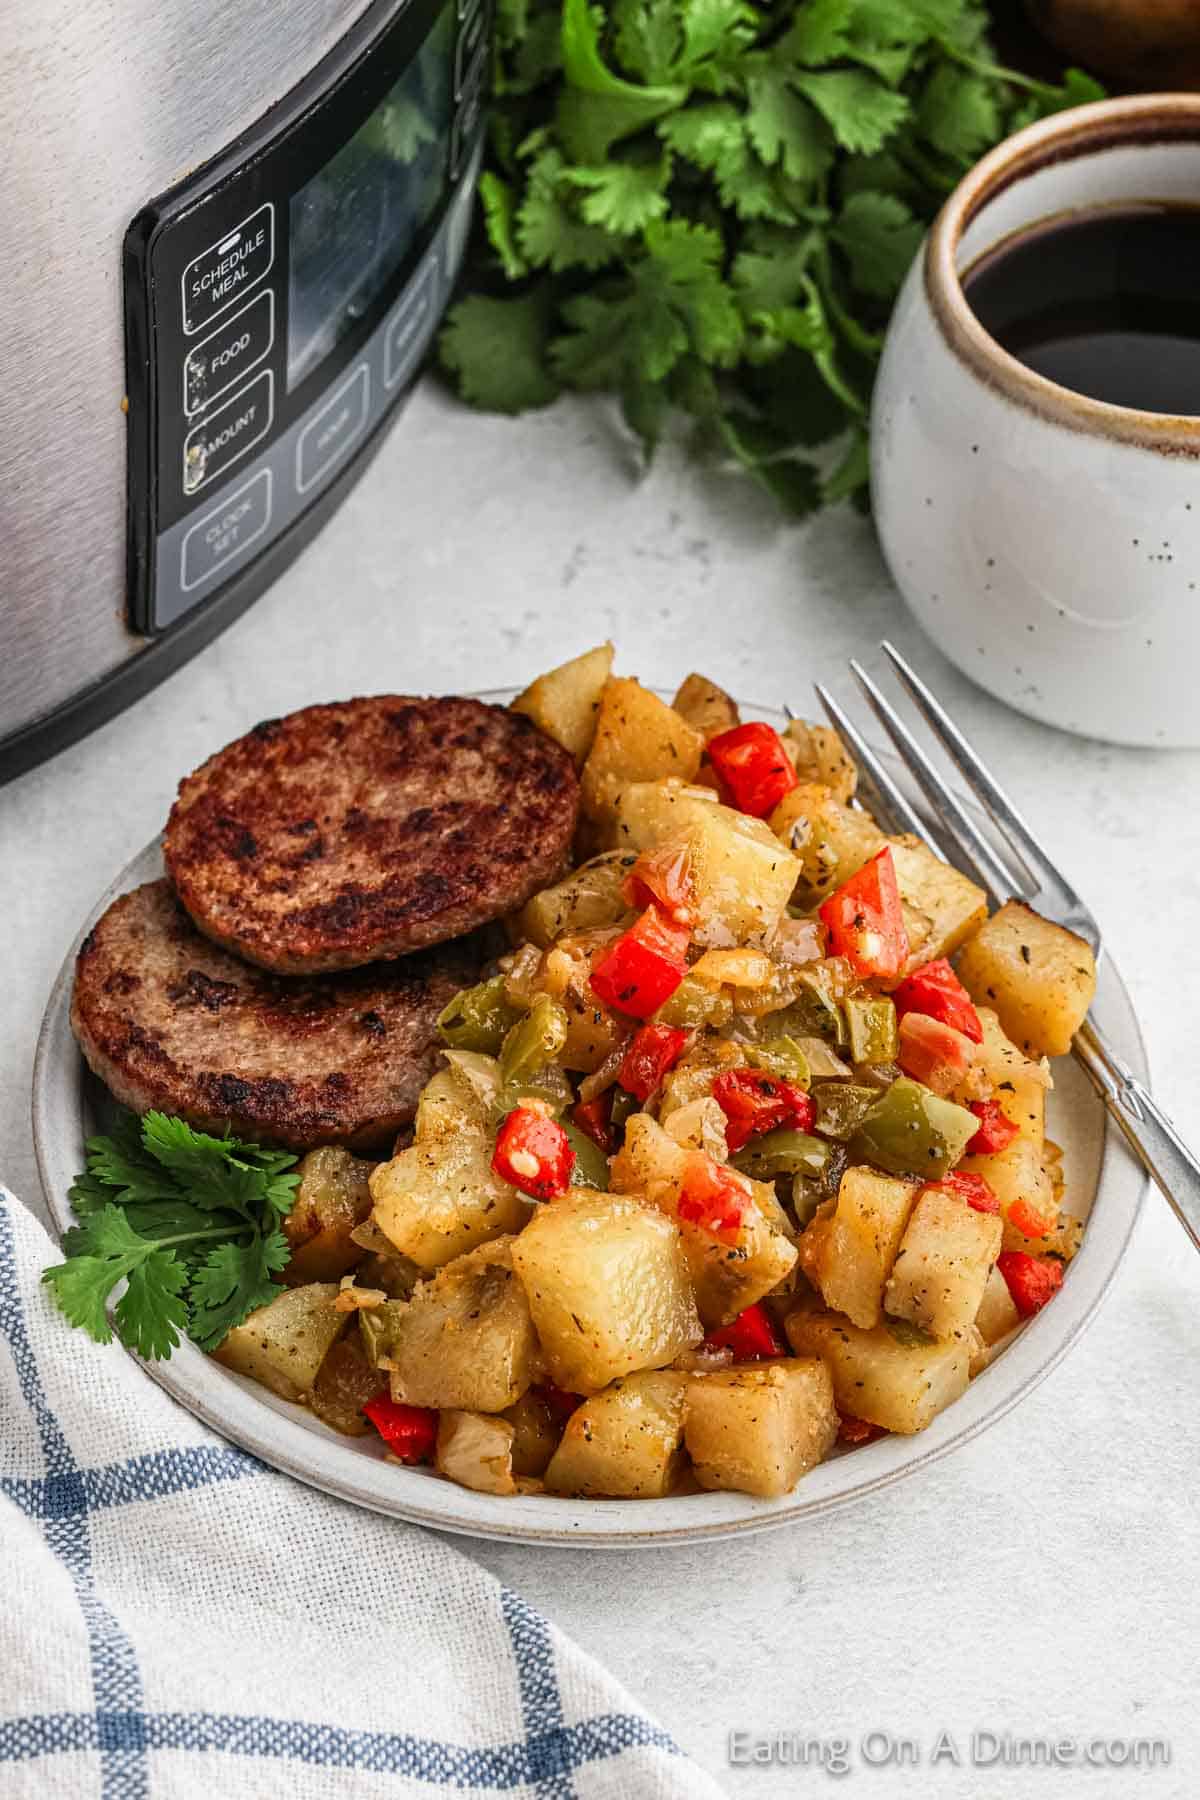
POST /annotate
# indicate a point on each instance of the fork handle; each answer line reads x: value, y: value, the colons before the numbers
x: 1146, y: 1128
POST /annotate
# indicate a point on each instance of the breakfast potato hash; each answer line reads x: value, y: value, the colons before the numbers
x: 725, y: 1163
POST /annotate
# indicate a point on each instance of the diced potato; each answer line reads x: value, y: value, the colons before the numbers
x: 284, y: 1343
x: 476, y: 1452
x: 883, y: 1375
x: 997, y: 1315
x: 333, y: 1198
x: 943, y: 1264
x: 588, y: 898
x: 693, y: 1075
x: 831, y: 841
x: 942, y: 906
x: 820, y: 755
x: 608, y: 1288
x: 624, y: 1441
x: 440, y: 1198
x: 593, y: 1031
x: 565, y: 702
x: 706, y: 707
x: 344, y: 1384
x: 759, y: 1427
x: 535, y: 1434
x: 979, y: 1353
x: 1039, y: 977
x: 1018, y: 1178
x: 742, y: 876
x: 465, y: 1339
x: 727, y: 1273
x: 638, y: 738
x: 848, y: 1253
x: 1018, y: 1085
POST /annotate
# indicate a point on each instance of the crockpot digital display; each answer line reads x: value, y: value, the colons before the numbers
x: 277, y: 305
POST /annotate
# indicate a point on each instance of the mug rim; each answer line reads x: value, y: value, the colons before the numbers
x: 1079, y: 132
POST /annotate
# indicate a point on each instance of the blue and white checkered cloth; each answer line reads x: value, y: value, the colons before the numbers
x: 178, y: 1620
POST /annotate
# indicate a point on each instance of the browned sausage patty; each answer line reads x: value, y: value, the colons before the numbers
x: 342, y: 834
x: 168, y: 1020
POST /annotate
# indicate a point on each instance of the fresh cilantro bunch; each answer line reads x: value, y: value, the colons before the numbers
x: 190, y: 1223
x: 709, y: 206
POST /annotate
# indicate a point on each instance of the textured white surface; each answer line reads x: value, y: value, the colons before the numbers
x: 1041, y: 1581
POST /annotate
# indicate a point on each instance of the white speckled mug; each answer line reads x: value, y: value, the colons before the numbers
x: 1048, y: 543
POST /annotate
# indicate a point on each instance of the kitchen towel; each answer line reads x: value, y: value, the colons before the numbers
x: 178, y: 1620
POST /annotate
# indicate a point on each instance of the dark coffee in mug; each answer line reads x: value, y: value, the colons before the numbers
x: 1105, y: 301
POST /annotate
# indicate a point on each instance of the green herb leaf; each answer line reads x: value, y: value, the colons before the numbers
x: 623, y: 197
x: 497, y: 350
x: 862, y: 112
x: 880, y: 238
x: 158, y: 1205
x: 809, y: 143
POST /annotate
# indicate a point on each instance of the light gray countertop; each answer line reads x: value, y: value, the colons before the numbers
x: 1043, y: 1580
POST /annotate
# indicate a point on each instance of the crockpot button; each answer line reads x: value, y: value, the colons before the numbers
x: 333, y: 429
x: 466, y: 119
x: 228, y: 432
x: 229, y: 268
x: 227, y: 532
x: 470, y: 36
x: 409, y: 326
x: 218, y: 361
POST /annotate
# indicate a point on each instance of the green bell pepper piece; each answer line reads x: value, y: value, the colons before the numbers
x: 591, y: 1164
x: 912, y: 1131
x: 841, y: 1107
x: 534, y: 1041
x: 624, y: 1105
x: 871, y: 1025
x: 784, y: 1152
x: 781, y: 1056
x: 695, y: 1004
x: 479, y: 1018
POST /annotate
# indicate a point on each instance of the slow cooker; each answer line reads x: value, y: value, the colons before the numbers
x: 232, y: 228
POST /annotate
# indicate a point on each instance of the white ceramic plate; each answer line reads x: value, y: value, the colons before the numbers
x: 1103, y: 1183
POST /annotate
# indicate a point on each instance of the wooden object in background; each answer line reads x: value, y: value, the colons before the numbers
x: 1143, y: 44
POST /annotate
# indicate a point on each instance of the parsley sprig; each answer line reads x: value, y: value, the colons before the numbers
x: 707, y: 207
x: 190, y: 1223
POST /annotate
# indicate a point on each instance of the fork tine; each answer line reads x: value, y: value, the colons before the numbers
x: 994, y: 874
x: 987, y: 790
x: 895, y: 800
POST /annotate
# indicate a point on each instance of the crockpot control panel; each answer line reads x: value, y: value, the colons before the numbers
x: 279, y: 303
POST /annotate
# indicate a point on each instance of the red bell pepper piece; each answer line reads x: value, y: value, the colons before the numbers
x: 753, y: 768
x: 750, y: 1336
x: 977, y: 1192
x: 534, y: 1153
x: 754, y: 1101
x: 852, y: 1430
x: 866, y: 920
x: 594, y: 1119
x: 996, y: 1130
x: 712, y: 1197
x: 663, y: 877
x: 410, y: 1432
x: 1032, y: 1280
x: 644, y: 966
x: 560, y: 1403
x: 652, y: 1051
x: 936, y: 991
x: 933, y: 1053
x: 1028, y: 1221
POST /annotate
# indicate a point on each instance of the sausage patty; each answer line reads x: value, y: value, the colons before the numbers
x: 167, y: 1020
x: 343, y: 834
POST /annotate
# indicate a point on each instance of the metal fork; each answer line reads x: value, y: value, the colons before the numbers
x: 1034, y: 878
